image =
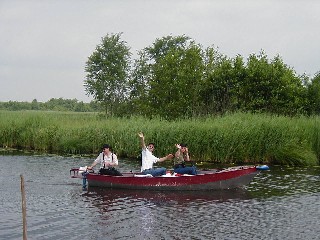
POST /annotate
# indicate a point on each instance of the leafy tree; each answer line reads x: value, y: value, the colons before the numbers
x: 314, y: 94
x: 219, y: 91
x: 271, y: 87
x: 166, y: 77
x: 256, y: 84
x: 239, y: 74
x: 288, y: 95
x: 35, y: 105
x: 139, y: 86
x: 107, y: 70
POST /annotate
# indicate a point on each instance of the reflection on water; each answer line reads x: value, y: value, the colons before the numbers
x: 165, y: 197
x: 283, y: 203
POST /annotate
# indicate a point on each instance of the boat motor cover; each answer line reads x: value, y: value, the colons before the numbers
x: 82, y: 169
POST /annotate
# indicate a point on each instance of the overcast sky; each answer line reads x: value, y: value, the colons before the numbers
x: 44, y: 44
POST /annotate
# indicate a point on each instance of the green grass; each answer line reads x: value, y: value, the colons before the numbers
x: 236, y: 138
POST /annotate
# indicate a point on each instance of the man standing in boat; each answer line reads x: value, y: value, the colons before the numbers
x: 148, y: 159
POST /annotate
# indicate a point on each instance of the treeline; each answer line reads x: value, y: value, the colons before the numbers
x: 53, y: 104
x: 176, y: 77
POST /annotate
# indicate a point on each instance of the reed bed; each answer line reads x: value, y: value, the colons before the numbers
x: 232, y: 139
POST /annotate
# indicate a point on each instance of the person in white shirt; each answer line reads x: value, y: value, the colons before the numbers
x: 107, y: 160
x: 148, y: 159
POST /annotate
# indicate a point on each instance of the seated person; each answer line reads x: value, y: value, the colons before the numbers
x: 148, y: 159
x: 108, y: 160
x: 182, y: 156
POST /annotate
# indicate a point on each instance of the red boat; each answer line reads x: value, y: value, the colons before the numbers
x: 214, y: 179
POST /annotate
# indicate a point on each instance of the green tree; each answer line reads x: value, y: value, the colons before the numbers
x: 314, y: 95
x: 271, y: 87
x: 35, y: 105
x: 139, y: 86
x: 167, y: 77
x: 256, y: 84
x: 220, y: 89
x: 288, y: 94
x: 107, y: 69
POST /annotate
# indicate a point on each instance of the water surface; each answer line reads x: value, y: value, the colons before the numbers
x: 283, y: 203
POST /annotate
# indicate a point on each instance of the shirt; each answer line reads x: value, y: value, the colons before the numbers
x: 148, y: 159
x: 180, y: 159
x: 102, y: 159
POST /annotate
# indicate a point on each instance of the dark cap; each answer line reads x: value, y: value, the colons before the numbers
x: 183, y: 145
x: 106, y: 146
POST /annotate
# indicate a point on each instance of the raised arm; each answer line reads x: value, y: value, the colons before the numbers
x: 177, y: 154
x: 142, y: 142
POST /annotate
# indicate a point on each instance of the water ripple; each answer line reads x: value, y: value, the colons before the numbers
x: 283, y: 203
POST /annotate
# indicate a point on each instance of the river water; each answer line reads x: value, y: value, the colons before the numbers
x: 282, y: 203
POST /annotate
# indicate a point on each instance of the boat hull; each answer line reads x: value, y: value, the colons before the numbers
x: 219, y: 180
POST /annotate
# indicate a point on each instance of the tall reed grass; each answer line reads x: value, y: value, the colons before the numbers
x: 236, y: 138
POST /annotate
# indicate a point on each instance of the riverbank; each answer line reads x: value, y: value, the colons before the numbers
x: 236, y: 138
